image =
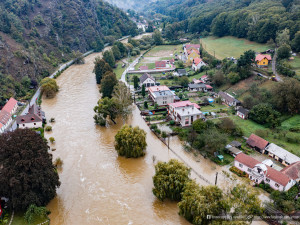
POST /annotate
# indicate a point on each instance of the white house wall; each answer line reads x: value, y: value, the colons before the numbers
x: 30, y: 125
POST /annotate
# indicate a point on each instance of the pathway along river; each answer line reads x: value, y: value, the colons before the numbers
x: 97, y: 186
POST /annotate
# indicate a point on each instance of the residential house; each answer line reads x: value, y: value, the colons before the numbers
x: 257, y: 143
x: 161, y: 95
x: 233, y: 151
x: 229, y: 99
x: 283, y: 156
x: 195, y: 81
x: 235, y: 144
x: 143, y: 68
x: 160, y: 64
x: 189, y: 47
x: 208, y: 87
x: 193, y: 55
x: 197, y: 64
x: 33, y: 119
x: 293, y: 171
x: 5, y: 120
x: 243, y: 113
x: 262, y: 60
x: 204, y: 78
x: 6, y: 113
x: 10, y: 106
x: 260, y: 172
x: 147, y: 80
x: 182, y: 72
x: 197, y: 87
x: 184, y: 112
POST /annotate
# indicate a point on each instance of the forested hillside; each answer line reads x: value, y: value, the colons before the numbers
x: 130, y: 4
x: 256, y: 20
x: 37, y: 35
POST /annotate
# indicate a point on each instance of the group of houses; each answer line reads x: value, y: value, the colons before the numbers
x: 7, y: 112
x: 259, y: 172
x: 192, y: 54
x: 200, y: 85
x: 182, y: 112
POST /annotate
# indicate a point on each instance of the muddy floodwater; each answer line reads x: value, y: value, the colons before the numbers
x: 97, y: 186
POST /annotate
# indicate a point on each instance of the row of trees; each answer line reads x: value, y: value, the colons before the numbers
x: 172, y: 181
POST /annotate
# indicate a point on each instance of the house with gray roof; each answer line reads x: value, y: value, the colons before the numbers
x: 229, y: 99
x: 197, y: 87
x: 147, y: 80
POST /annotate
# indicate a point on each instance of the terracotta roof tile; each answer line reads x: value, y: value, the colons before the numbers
x: 293, y: 170
x: 256, y: 141
x: 8, y: 107
x: 260, y: 57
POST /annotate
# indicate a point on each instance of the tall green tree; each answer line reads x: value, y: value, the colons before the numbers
x: 106, y: 108
x: 284, y: 51
x: 131, y: 142
x: 157, y: 37
x: 135, y: 82
x: 108, y: 82
x: 27, y: 173
x: 122, y: 48
x: 116, y: 52
x: 170, y: 179
x: 108, y: 56
x: 263, y: 113
x: 283, y: 37
x: 49, y: 87
x: 143, y: 91
x: 296, y: 42
x: 122, y: 96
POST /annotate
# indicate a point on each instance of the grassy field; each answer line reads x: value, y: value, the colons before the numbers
x: 164, y: 51
x: 230, y: 46
x: 296, y: 64
x: 119, y: 70
x: 19, y: 220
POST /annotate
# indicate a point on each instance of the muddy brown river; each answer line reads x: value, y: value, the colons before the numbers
x: 97, y: 186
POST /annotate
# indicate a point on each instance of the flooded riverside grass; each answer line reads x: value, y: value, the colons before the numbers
x: 98, y: 186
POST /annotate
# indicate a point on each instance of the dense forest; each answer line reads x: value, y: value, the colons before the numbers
x: 37, y: 35
x: 256, y: 20
x: 137, y: 5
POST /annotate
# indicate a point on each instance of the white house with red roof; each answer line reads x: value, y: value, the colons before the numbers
x: 204, y: 78
x: 161, y: 95
x: 6, y: 113
x: 259, y: 171
x: 184, y: 112
x: 33, y: 119
x: 197, y: 64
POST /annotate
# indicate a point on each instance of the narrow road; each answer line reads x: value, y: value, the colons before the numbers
x: 274, y: 66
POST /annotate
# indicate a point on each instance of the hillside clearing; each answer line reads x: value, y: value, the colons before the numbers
x: 230, y: 46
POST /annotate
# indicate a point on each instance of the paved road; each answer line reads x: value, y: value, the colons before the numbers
x: 274, y: 66
x: 256, y: 73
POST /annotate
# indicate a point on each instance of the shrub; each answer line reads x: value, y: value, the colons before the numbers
x: 238, y: 172
x: 52, y: 139
x: 172, y: 123
x: 158, y: 131
x: 48, y: 128
x: 153, y: 126
x: 58, y: 162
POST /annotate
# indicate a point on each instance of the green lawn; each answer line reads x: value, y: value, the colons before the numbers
x: 19, y: 220
x: 248, y: 126
x: 230, y: 46
x: 161, y: 49
x: 292, y: 122
x: 119, y: 70
x: 213, y: 108
x: 296, y: 64
x: 150, y: 65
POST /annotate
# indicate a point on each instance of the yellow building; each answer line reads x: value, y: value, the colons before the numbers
x: 193, y: 55
x: 263, y: 60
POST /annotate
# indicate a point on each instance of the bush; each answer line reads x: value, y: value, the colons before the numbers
x: 158, y: 131
x: 52, y: 139
x: 172, y: 123
x: 58, y: 162
x: 153, y: 126
x: 48, y: 128
x: 238, y: 172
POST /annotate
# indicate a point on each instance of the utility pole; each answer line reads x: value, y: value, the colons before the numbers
x: 216, y: 179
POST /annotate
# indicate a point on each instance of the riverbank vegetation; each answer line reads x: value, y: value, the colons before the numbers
x: 171, y: 181
x: 49, y: 87
x: 30, y: 179
x: 130, y: 142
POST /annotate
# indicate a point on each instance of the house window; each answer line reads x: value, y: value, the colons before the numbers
x: 241, y: 165
x: 34, y: 123
x: 276, y: 185
x: 23, y: 125
x: 249, y: 170
x: 267, y: 180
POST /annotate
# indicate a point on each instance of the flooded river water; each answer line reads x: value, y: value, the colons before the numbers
x: 97, y: 186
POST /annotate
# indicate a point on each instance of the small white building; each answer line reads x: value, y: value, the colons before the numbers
x: 197, y: 64
x: 184, y: 112
x: 161, y: 95
x: 258, y: 172
x: 281, y: 155
x: 147, y: 80
x: 5, y: 120
x: 242, y: 113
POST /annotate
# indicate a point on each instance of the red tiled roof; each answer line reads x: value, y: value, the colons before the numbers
x: 293, y: 170
x: 272, y: 174
x: 10, y: 105
x: 204, y: 77
x: 29, y: 118
x: 193, y: 50
x: 192, y: 46
x: 1, y: 125
x: 197, y: 61
x: 255, y: 141
x: 260, y: 57
x: 143, y: 67
x: 246, y: 160
x: 160, y: 64
x: 208, y: 86
x: 4, y: 117
x: 158, y: 88
x: 184, y: 103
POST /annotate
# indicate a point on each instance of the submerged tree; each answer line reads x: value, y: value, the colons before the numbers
x: 100, y: 68
x: 27, y: 173
x: 122, y: 96
x: 107, y: 107
x: 170, y: 179
x: 49, y: 87
x: 108, y: 83
x: 131, y: 142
